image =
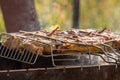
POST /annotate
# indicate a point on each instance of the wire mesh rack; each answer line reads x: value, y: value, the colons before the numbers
x: 108, y: 53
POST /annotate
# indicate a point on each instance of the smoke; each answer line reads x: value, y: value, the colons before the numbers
x: 85, y: 60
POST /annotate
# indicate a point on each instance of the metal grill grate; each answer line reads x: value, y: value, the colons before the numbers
x: 27, y: 56
x: 15, y: 54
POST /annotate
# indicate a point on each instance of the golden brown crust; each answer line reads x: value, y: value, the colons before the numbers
x: 31, y: 48
x: 69, y: 37
x: 78, y: 48
x: 13, y: 42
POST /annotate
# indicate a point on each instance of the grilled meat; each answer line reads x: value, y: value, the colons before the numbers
x: 71, y: 40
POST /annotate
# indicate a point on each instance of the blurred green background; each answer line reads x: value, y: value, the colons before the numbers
x: 93, y: 14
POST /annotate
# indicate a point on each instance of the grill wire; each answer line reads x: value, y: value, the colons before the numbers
x: 108, y: 54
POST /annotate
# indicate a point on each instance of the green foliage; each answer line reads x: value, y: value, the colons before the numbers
x: 53, y: 12
x: 2, y: 28
x: 100, y: 13
x: 94, y: 14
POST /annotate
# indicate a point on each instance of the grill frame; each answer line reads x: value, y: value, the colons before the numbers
x: 105, y: 72
x: 52, y: 55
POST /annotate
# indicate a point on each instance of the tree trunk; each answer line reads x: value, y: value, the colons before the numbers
x: 19, y: 15
x: 76, y: 13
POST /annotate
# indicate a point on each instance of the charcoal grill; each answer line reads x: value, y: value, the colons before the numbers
x: 109, y: 55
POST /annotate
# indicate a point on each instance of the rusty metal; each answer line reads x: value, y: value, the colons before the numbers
x: 105, y: 72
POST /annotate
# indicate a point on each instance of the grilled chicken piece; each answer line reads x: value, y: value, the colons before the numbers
x: 31, y: 48
x: 12, y: 42
x: 72, y: 40
x: 67, y: 48
x: 15, y: 42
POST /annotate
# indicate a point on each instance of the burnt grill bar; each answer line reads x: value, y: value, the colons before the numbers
x: 105, y: 72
